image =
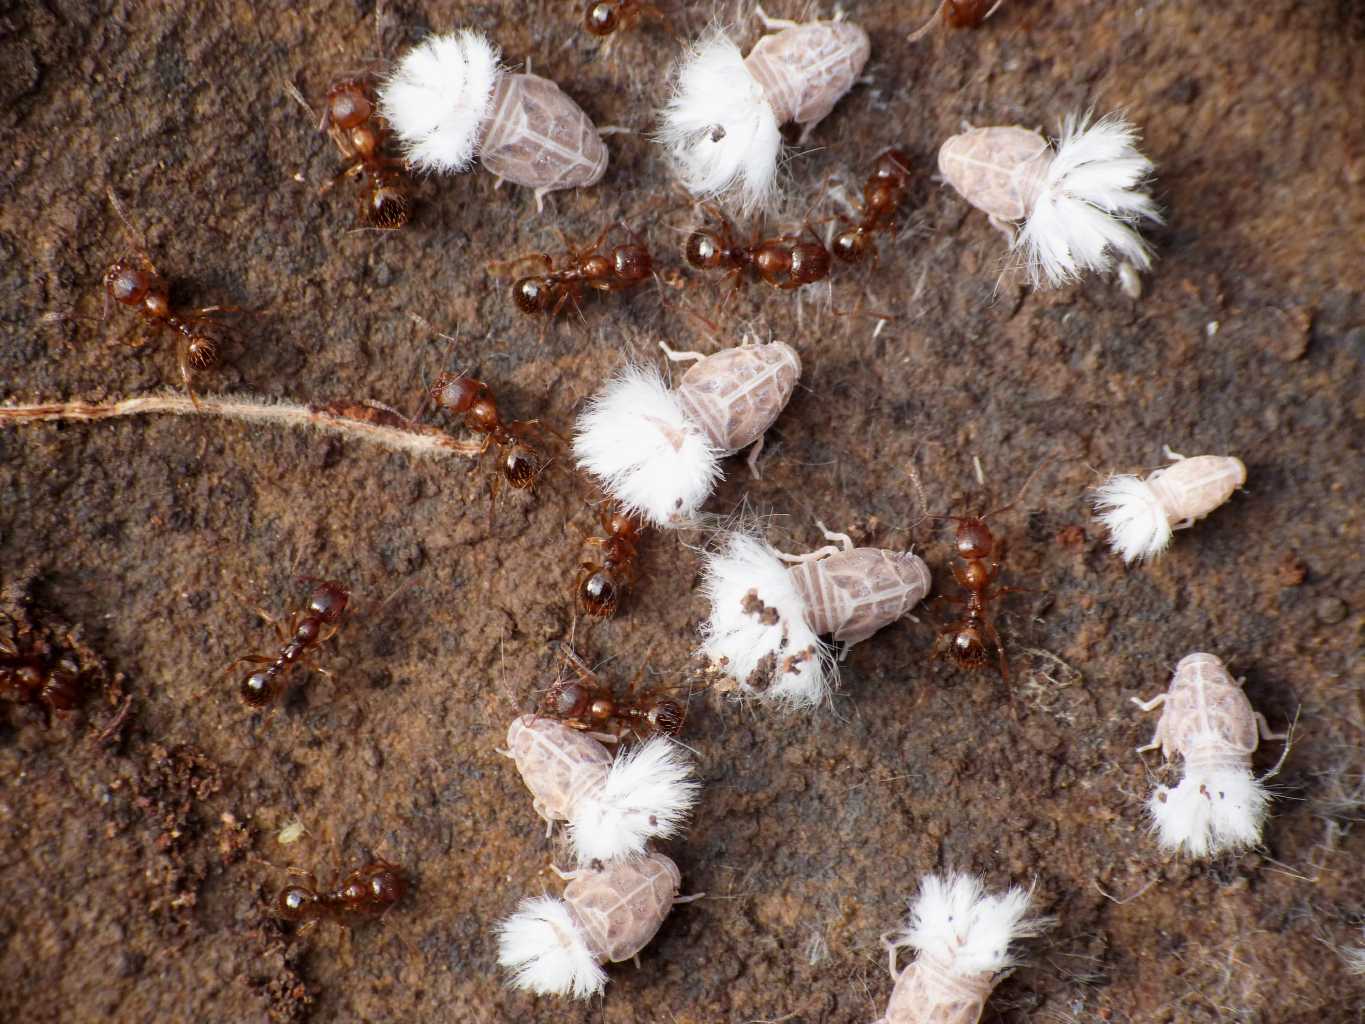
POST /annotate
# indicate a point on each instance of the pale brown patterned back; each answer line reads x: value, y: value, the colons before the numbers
x: 927, y: 994
x: 621, y: 905
x: 1192, y: 488
x: 558, y: 764
x: 738, y: 393
x: 998, y: 170
x: 538, y: 137
x: 852, y: 594
x: 804, y: 71
x: 1205, y: 703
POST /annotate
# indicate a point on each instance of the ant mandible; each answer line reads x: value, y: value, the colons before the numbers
x: 625, y: 266
x: 27, y: 678
x: 518, y: 461
x: 135, y: 282
x: 359, y: 134
x: 304, y: 637
x: 587, y: 705
x: 603, y: 17
x: 600, y: 587
x: 367, y: 892
x: 882, y: 194
x: 785, y: 262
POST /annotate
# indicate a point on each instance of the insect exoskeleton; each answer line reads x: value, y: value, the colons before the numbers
x: 961, y: 937
x: 722, y: 125
x: 1206, y: 719
x: 608, y: 914
x: 767, y: 617
x: 613, y: 807
x: 1141, y: 514
x: 448, y: 101
x: 657, y: 451
x: 1076, y: 206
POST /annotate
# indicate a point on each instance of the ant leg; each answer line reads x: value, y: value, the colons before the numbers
x: 928, y: 26
x: 350, y: 172
x: 182, y: 358
x: 500, y: 267
x: 994, y: 638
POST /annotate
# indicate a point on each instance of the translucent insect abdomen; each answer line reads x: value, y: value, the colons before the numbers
x: 804, y: 71
x: 852, y: 594
x: 738, y: 393
x: 621, y: 905
x: 1192, y: 488
x: 998, y: 170
x: 557, y: 764
x: 538, y: 137
x: 1206, y: 707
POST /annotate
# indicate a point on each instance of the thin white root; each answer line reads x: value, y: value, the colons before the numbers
x: 364, y: 421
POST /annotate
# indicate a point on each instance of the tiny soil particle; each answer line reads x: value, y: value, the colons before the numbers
x: 1330, y: 610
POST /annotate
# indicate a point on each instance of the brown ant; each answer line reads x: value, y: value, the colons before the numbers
x: 518, y: 461
x: 959, y: 14
x: 134, y: 281
x: 359, y: 134
x: 603, y: 17
x: 625, y: 266
x: 599, y: 587
x: 588, y: 705
x: 785, y: 262
x: 304, y: 637
x: 28, y: 678
x: 882, y: 194
x: 367, y: 892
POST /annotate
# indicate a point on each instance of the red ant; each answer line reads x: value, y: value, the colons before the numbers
x: 882, y: 194
x: 600, y: 587
x: 785, y: 262
x: 27, y: 678
x: 625, y: 266
x: 367, y: 892
x: 304, y: 637
x: 518, y: 461
x: 603, y: 17
x: 959, y: 14
x: 359, y: 134
x: 134, y: 281
x: 586, y: 704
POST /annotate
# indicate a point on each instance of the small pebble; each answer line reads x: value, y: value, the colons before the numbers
x: 1330, y: 610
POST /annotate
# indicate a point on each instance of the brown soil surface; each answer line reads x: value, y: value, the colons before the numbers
x: 131, y: 865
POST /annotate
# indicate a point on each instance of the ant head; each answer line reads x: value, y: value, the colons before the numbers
x: 127, y: 284
x: 328, y: 601
x: 809, y: 262
x: 965, y: 13
x: 295, y: 903
x: 667, y: 717
x: 599, y: 594
x: 602, y: 19
x: 532, y: 294
x: 456, y: 392
x: 850, y: 246
x: 968, y: 649
x: 258, y: 689
x: 348, y: 106
x: 631, y: 262
x: 705, y: 250
x: 387, y: 208
x: 520, y: 466
x: 974, y: 539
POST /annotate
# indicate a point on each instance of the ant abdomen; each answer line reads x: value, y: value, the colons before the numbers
x: 809, y: 263
x: 387, y: 207
x: 632, y: 262
x: 520, y: 466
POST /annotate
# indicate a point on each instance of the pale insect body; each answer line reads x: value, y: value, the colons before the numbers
x: 1076, y: 205
x: 558, y: 764
x: 1207, y: 719
x: 766, y: 618
x: 449, y: 101
x: 961, y: 937
x: 608, y: 914
x: 722, y: 125
x: 1141, y: 514
x: 657, y: 451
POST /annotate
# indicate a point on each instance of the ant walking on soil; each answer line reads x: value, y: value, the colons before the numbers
x: 359, y: 134
x: 600, y: 587
x: 786, y: 262
x: 625, y: 266
x: 366, y: 893
x: 882, y: 194
x: 519, y: 463
x: 303, y: 638
x: 588, y: 705
x: 135, y: 282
